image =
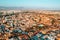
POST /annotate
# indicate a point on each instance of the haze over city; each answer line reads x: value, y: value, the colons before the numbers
x: 41, y: 4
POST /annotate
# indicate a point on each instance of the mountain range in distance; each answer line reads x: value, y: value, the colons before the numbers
x: 10, y: 8
x: 26, y: 8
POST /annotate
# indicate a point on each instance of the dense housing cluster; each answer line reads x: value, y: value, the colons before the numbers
x: 29, y: 26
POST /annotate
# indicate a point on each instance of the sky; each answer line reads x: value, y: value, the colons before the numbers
x: 31, y: 3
